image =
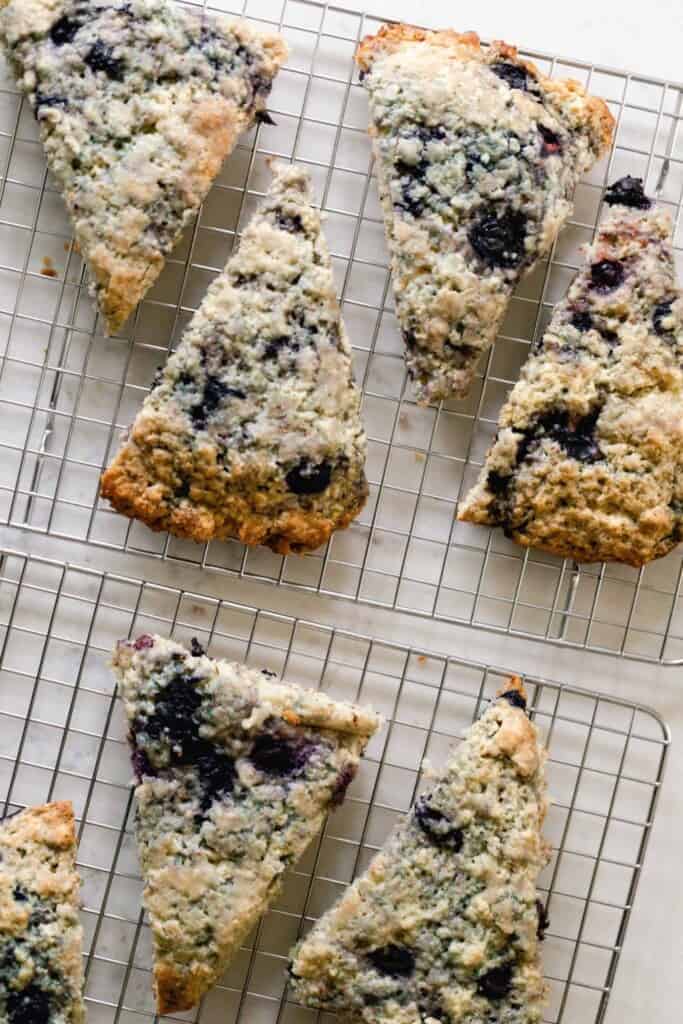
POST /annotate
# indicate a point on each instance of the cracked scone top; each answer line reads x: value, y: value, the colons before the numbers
x: 41, y: 973
x: 477, y: 157
x: 587, y: 460
x: 444, y: 925
x: 236, y: 772
x: 253, y: 430
x: 138, y: 103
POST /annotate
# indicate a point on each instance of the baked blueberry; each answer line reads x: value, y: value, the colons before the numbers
x: 550, y: 141
x: 277, y: 755
x: 512, y: 74
x: 496, y: 983
x: 498, y: 237
x: 515, y: 698
x: 64, y: 30
x: 344, y: 780
x: 498, y: 482
x: 290, y: 222
x: 308, y: 477
x: 30, y: 1005
x: 661, y: 312
x: 397, y: 961
x: 143, y: 642
x: 196, y: 648
x: 582, y: 321
x: 437, y: 827
x: 141, y: 764
x: 175, y: 714
x: 606, y: 275
x: 628, y: 191
x: 101, y: 58
x: 217, y: 774
x: 215, y: 392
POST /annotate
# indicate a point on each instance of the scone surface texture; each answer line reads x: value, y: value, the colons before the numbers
x: 445, y: 923
x: 138, y: 103
x: 253, y: 430
x: 477, y: 156
x: 41, y: 973
x: 236, y: 772
x: 587, y: 460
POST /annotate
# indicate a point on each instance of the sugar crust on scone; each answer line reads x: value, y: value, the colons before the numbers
x: 138, y: 103
x: 477, y: 156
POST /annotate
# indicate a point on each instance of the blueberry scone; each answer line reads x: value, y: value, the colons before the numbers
x: 444, y: 926
x: 138, y: 103
x: 236, y: 772
x: 587, y: 460
x: 41, y: 974
x: 253, y: 429
x: 477, y: 155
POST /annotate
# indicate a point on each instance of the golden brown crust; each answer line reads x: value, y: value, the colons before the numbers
x: 51, y: 824
x: 179, y: 992
x: 134, y: 492
x: 591, y: 112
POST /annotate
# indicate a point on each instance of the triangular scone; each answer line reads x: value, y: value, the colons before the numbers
x: 253, y: 430
x: 41, y: 971
x: 587, y: 463
x: 138, y: 103
x: 477, y: 154
x: 236, y: 773
x: 444, y: 925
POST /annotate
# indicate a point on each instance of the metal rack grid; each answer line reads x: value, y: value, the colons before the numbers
x: 62, y: 736
x: 66, y: 392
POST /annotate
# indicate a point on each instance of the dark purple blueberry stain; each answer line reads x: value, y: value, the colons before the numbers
x: 45, y: 101
x: 550, y: 141
x: 64, y: 30
x: 498, y: 483
x: 20, y: 895
x: 29, y: 1006
x: 217, y: 774
x: 607, y: 275
x: 498, y: 238
x: 611, y: 337
x: 215, y: 393
x: 208, y: 44
x: 437, y: 827
x: 344, y: 780
x: 577, y: 438
x: 661, y: 312
x: 196, y: 648
x: 496, y: 983
x: 628, y: 191
x: 275, y: 346
x: 263, y: 117
x: 141, y: 765
x: 143, y: 642
x: 512, y: 74
x: 309, y: 477
x: 515, y: 698
x: 101, y: 58
x: 410, y: 176
x: 582, y: 321
x: 290, y: 222
x: 279, y: 755
x: 398, y: 961
x: 175, y: 716
x: 543, y: 920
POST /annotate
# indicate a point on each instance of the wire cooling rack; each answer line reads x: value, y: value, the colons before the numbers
x: 67, y: 392
x: 62, y: 736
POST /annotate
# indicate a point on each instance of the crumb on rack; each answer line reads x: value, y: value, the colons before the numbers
x: 47, y: 269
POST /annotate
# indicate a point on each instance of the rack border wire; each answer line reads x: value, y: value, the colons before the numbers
x: 63, y: 736
x: 67, y: 393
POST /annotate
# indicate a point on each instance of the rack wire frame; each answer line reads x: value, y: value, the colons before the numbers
x: 62, y: 736
x: 67, y: 393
